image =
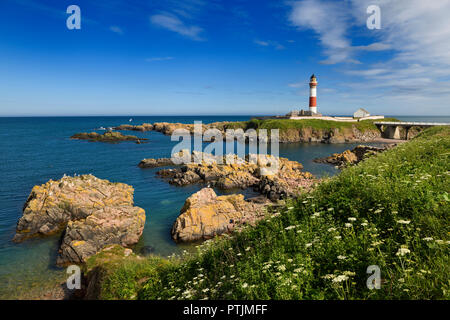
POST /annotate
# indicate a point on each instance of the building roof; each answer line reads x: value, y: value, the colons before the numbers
x: 362, y: 109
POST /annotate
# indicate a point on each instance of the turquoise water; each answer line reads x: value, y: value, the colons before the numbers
x: 34, y: 150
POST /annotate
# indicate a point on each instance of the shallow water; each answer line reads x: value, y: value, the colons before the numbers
x: 34, y: 150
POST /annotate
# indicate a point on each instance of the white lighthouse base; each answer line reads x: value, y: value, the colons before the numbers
x: 313, y: 109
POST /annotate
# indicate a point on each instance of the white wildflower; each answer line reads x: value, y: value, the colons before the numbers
x: 403, y: 251
x: 340, y: 278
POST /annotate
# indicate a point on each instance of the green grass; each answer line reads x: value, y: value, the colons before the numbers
x: 119, y: 276
x: 391, y: 210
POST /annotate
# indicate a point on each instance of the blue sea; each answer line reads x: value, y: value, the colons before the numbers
x: 36, y: 149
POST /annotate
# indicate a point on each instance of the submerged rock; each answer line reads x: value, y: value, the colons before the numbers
x: 106, y: 137
x: 93, y: 212
x: 205, y: 215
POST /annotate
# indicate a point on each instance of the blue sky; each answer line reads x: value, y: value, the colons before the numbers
x: 142, y: 57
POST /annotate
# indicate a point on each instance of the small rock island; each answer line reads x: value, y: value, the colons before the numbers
x: 109, y: 136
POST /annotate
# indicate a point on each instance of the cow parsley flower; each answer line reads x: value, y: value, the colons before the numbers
x: 340, y: 278
x: 403, y: 251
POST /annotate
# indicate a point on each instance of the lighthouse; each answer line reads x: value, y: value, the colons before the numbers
x: 313, y: 94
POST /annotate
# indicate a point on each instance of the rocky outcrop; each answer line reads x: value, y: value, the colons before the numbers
x: 168, y: 128
x: 106, y: 137
x: 251, y: 172
x: 155, y: 163
x: 93, y: 212
x: 109, y: 225
x: 129, y: 127
x: 350, y: 157
x: 205, y: 215
x: 331, y: 135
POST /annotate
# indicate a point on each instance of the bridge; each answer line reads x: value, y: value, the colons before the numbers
x: 391, y: 129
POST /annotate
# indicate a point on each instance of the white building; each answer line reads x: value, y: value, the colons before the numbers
x: 361, y: 113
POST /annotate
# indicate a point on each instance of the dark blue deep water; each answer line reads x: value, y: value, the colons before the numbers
x: 34, y: 150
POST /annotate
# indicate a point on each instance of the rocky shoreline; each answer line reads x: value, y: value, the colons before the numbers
x: 288, y: 135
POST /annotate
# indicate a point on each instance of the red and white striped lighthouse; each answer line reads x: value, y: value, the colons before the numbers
x: 313, y: 94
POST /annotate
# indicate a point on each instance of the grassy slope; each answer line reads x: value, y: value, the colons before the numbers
x: 391, y: 210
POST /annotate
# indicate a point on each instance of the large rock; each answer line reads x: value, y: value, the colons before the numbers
x: 205, y: 215
x: 93, y: 212
x: 109, y: 225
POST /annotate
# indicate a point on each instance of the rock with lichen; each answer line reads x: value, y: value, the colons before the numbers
x: 206, y: 215
x: 109, y: 225
x: 92, y: 211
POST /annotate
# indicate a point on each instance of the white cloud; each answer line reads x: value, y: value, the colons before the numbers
x: 269, y: 43
x: 116, y: 29
x: 173, y: 23
x: 262, y: 43
x: 330, y: 21
x: 159, y: 59
x: 416, y: 74
x: 297, y: 85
